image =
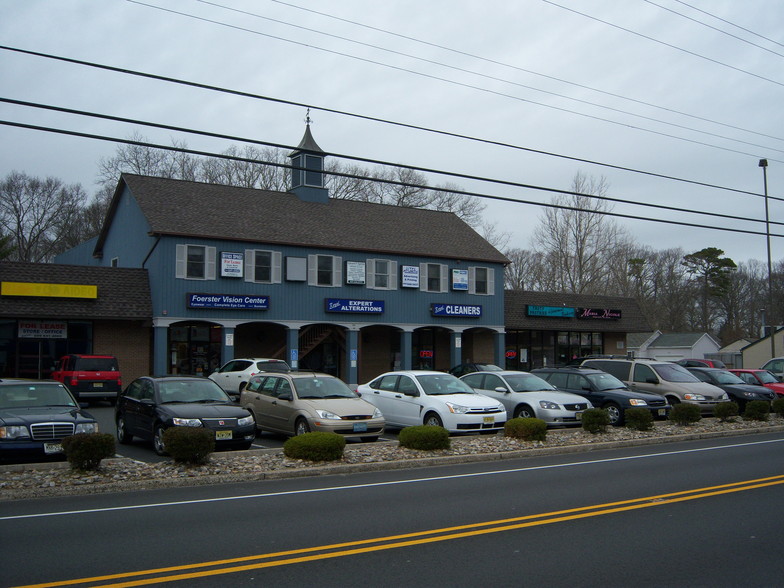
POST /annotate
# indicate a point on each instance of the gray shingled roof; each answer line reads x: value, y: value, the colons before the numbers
x: 515, y: 302
x: 192, y: 209
x: 123, y: 293
x: 677, y: 340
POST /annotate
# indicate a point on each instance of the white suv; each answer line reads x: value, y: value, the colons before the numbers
x: 233, y: 375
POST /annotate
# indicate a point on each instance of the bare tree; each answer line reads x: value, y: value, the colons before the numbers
x: 524, y: 271
x: 38, y: 215
x: 469, y: 208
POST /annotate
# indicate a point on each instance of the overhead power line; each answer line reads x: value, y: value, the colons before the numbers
x: 374, y: 119
x: 737, y: 26
x: 408, y: 184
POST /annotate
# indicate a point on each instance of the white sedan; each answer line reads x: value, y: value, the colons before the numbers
x: 419, y: 397
x: 526, y: 395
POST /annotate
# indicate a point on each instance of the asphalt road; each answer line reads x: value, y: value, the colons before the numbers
x: 702, y: 513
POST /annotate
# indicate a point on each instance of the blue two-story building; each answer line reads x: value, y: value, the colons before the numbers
x: 347, y: 287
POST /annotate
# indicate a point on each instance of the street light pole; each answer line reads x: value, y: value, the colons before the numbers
x: 763, y: 163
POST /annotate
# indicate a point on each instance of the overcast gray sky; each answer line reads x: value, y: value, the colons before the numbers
x: 692, y: 90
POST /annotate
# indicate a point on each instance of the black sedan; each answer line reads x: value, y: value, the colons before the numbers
x: 148, y: 406
x: 604, y: 391
x: 35, y: 416
x: 736, y: 388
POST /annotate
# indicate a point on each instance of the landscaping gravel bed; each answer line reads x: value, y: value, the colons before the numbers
x: 117, y: 475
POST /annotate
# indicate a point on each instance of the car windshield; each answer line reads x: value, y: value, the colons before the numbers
x: 488, y: 367
x: 604, y: 382
x: 273, y: 366
x: 727, y: 378
x: 527, y: 383
x: 766, y: 377
x: 24, y: 395
x: 672, y: 372
x: 438, y: 384
x: 321, y: 387
x: 191, y: 391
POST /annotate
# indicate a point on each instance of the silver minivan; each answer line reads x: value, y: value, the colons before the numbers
x: 670, y: 380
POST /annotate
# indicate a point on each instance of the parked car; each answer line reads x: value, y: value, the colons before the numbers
x: 36, y: 415
x: 665, y: 378
x: 150, y: 405
x: 90, y: 377
x: 776, y: 367
x: 423, y: 397
x: 761, y: 378
x: 298, y: 402
x: 605, y: 391
x: 527, y: 395
x: 233, y: 375
x: 467, y: 368
x: 737, y: 388
x: 697, y: 362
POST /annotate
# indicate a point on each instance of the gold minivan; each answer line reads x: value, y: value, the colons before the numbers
x: 298, y: 402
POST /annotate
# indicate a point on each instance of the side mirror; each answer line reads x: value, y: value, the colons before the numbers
x: 502, y: 390
x: 285, y: 397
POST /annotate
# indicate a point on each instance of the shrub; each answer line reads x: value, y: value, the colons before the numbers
x: 528, y: 429
x: 639, y: 419
x: 595, y: 420
x: 191, y: 445
x: 778, y: 406
x: 756, y: 410
x: 424, y: 437
x: 315, y: 446
x: 85, y: 451
x: 685, y: 413
x: 726, y: 411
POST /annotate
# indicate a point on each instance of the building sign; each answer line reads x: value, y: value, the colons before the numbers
x: 355, y: 272
x: 426, y: 354
x: 409, y: 277
x: 550, y: 311
x: 460, y: 280
x: 511, y: 354
x: 354, y: 306
x: 228, y: 301
x: 598, y: 313
x: 461, y: 310
x: 48, y: 290
x: 43, y: 330
x: 231, y: 265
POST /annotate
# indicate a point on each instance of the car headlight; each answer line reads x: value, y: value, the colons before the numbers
x: 691, y: 396
x: 456, y: 408
x: 248, y: 420
x: 13, y: 432
x: 548, y: 405
x: 325, y: 414
x: 637, y: 402
x: 377, y: 414
x: 750, y: 394
x: 87, y: 428
x: 186, y: 422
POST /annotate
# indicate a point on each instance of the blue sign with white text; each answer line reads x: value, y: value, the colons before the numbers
x: 356, y: 306
x: 228, y: 301
x: 461, y: 310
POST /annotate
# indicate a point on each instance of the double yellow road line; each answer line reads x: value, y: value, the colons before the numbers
x: 295, y: 556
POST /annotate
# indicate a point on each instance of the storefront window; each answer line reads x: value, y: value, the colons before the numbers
x: 194, y: 348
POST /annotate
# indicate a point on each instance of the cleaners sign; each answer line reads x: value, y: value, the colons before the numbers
x: 354, y: 306
x: 461, y: 310
x: 228, y: 301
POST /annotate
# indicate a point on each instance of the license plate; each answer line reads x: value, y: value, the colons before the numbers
x: 53, y: 448
x: 578, y: 416
x: 360, y: 427
x: 222, y: 435
x: 97, y: 384
x: 489, y: 420
x: 662, y: 412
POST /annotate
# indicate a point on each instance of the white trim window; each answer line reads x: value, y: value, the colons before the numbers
x: 195, y: 262
x: 381, y: 274
x: 481, y: 280
x: 433, y: 277
x: 263, y: 267
x: 325, y: 270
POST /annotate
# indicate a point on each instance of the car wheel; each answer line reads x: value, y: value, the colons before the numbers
x: 615, y: 412
x: 673, y: 400
x: 433, y: 420
x: 123, y: 436
x: 157, y: 440
x: 368, y: 439
x: 301, y: 427
x: 524, y: 412
x: 241, y: 387
x: 112, y: 400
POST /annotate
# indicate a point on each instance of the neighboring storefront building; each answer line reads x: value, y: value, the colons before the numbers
x: 49, y: 310
x: 345, y: 287
x: 549, y: 329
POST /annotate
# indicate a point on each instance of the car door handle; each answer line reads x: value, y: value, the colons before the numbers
x: 376, y: 392
x: 398, y: 396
